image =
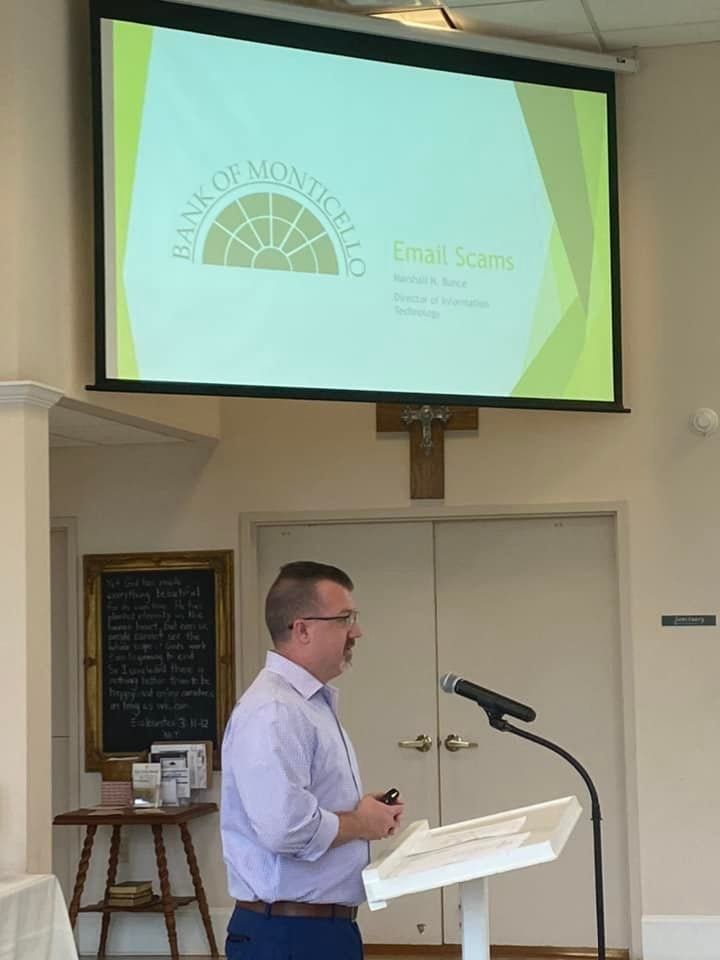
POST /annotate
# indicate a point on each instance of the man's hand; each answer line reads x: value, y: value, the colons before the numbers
x: 378, y: 819
x: 370, y: 820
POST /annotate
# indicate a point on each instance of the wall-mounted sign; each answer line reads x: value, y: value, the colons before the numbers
x: 689, y: 620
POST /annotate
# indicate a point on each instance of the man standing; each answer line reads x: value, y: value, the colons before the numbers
x: 295, y: 825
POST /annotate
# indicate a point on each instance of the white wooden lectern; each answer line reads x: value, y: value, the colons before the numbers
x: 468, y: 853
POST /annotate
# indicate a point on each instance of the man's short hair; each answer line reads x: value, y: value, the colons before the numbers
x: 294, y: 593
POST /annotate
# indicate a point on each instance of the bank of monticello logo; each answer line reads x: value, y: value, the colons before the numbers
x: 268, y: 215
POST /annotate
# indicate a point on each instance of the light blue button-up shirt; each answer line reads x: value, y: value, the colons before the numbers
x: 288, y: 768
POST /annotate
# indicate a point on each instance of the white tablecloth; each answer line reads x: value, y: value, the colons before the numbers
x: 34, y: 923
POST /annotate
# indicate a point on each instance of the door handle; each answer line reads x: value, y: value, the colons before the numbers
x: 453, y: 743
x: 422, y: 742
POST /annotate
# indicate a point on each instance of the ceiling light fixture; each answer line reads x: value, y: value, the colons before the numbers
x: 362, y: 19
x: 434, y: 18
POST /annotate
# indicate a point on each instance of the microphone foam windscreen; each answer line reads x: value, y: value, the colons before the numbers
x: 447, y: 682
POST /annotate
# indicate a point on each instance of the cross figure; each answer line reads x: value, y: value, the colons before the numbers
x: 424, y: 416
x: 426, y: 425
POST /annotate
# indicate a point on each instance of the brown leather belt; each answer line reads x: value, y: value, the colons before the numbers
x: 291, y: 908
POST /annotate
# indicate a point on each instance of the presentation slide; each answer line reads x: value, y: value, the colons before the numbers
x: 285, y: 218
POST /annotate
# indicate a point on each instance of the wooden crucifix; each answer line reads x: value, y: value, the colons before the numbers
x: 426, y: 425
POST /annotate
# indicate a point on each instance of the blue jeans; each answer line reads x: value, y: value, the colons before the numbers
x: 253, y: 936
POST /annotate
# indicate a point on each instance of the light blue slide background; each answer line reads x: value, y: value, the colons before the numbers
x: 413, y: 154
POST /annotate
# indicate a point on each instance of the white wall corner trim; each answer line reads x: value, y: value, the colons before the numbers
x: 30, y: 393
x: 689, y: 937
x: 144, y: 933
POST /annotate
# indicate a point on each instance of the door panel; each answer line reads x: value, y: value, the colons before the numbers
x: 390, y: 692
x: 528, y: 607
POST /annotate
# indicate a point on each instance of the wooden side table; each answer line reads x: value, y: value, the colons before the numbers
x: 155, y: 819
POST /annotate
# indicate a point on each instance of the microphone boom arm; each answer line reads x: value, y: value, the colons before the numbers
x: 498, y: 722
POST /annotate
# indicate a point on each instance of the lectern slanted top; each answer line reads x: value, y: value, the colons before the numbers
x: 425, y: 859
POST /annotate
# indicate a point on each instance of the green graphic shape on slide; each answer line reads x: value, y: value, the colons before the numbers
x: 269, y: 231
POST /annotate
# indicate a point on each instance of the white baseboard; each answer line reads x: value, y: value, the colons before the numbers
x: 146, y: 934
x: 681, y: 938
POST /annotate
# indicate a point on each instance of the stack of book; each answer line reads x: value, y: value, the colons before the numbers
x: 130, y: 893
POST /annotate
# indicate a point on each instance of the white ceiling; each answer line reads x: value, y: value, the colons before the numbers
x: 597, y: 25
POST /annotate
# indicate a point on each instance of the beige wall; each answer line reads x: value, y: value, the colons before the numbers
x: 46, y: 262
x: 283, y: 455
x: 10, y: 162
x: 670, y: 208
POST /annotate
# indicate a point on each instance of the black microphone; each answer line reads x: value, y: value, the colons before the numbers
x: 494, y: 704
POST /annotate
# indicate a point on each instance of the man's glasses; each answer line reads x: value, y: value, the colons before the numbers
x: 346, y: 619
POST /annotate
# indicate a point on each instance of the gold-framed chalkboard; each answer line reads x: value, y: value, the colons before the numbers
x: 159, y: 651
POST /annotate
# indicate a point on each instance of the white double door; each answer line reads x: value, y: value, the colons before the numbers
x: 526, y: 606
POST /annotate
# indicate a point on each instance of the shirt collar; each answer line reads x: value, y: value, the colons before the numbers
x: 301, y: 679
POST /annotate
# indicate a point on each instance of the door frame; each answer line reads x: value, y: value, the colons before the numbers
x: 69, y: 526
x: 251, y: 657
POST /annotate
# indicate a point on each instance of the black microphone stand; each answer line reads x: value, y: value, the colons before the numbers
x: 500, y: 723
